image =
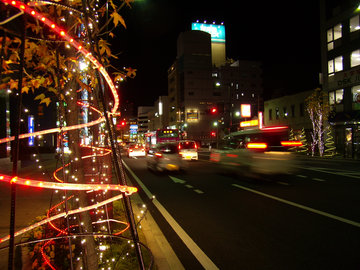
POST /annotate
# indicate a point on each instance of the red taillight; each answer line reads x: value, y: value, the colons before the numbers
x: 291, y: 143
x: 179, y: 146
x: 159, y: 155
x: 131, y: 150
x: 256, y: 145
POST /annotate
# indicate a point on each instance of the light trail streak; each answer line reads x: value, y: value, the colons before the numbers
x: 66, y: 186
x: 72, y: 212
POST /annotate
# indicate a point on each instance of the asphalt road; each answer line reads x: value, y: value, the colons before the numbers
x: 306, y: 220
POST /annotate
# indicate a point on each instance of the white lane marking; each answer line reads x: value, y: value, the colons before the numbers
x: 177, y: 180
x: 301, y: 176
x: 353, y: 174
x: 282, y: 183
x: 199, y: 191
x: 189, y: 186
x: 318, y: 179
x: 204, y: 260
x: 322, y: 213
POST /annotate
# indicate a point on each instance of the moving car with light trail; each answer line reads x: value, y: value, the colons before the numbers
x: 165, y: 157
x: 257, y: 151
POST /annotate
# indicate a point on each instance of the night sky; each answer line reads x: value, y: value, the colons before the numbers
x: 284, y: 37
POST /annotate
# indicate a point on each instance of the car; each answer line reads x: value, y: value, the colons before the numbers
x: 136, y: 150
x: 165, y: 157
x: 188, y: 150
x: 266, y: 151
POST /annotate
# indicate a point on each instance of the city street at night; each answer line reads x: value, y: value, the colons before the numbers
x: 305, y: 220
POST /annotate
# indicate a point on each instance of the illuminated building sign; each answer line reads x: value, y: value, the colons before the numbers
x: 216, y: 31
x: 251, y: 123
x: 31, y: 129
x: 245, y: 110
x: 192, y: 116
x: 134, y: 129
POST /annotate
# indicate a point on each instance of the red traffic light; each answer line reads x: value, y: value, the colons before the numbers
x: 123, y: 123
x: 213, y: 110
x: 213, y: 134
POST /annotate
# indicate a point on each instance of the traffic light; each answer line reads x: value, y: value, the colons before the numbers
x: 123, y: 123
x: 213, y: 110
x: 213, y: 134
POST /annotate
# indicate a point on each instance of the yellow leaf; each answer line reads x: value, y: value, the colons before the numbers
x: 13, y: 84
x: 118, y: 18
x: 25, y: 89
x: 131, y: 72
x: 128, y: 2
x: 52, y: 89
x: 46, y: 101
x: 111, y: 35
x: 41, y: 96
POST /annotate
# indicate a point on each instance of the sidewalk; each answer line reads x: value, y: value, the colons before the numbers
x: 164, y: 256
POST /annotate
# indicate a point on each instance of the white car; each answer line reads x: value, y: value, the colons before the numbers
x: 188, y: 150
x: 136, y: 150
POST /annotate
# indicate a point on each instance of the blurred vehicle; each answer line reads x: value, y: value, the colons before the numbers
x: 136, y: 150
x: 188, y: 150
x: 257, y: 151
x: 165, y: 157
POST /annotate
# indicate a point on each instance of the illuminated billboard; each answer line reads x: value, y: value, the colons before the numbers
x: 245, y: 110
x: 216, y: 31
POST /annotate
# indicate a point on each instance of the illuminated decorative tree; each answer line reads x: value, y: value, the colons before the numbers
x: 304, y: 147
x: 330, y: 149
x: 317, y: 106
x: 53, y: 64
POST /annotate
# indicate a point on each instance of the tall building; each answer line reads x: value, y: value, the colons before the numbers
x: 340, y: 54
x: 205, y: 89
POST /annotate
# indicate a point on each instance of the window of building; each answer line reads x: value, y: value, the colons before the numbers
x: 336, y: 97
x: 356, y: 93
x: 355, y: 23
x: 214, y: 74
x: 332, y: 97
x: 301, y: 109
x: 339, y: 96
x: 270, y: 114
x: 333, y: 34
x: 285, y: 112
x: 292, y: 110
x: 335, y: 65
x: 338, y: 63
x: 277, y: 113
x: 355, y: 58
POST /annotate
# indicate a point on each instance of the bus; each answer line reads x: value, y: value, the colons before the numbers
x: 257, y: 151
x: 153, y: 138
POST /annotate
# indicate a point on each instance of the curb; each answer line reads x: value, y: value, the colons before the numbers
x: 164, y: 256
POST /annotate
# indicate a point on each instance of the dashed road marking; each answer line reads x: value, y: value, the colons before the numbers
x: 319, y: 212
x: 318, y: 179
x: 283, y: 183
x: 199, y: 191
x: 301, y: 176
x: 200, y: 255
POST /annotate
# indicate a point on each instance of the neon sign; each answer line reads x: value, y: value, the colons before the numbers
x: 216, y: 31
x: 31, y: 129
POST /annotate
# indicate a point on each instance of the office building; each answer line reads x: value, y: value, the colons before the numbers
x: 340, y: 54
